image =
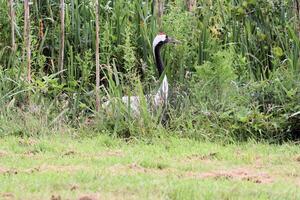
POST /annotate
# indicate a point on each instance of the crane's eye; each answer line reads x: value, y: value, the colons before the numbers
x: 167, y: 39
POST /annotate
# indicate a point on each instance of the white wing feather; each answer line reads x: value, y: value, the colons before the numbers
x: 157, y: 100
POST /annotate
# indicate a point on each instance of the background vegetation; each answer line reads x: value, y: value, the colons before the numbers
x: 234, y: 76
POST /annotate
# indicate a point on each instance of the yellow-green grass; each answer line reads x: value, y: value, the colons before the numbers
x: 62, y: 167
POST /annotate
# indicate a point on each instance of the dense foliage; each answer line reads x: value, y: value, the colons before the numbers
x: 234, y: 76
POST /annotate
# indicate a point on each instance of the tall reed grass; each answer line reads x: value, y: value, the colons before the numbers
x: 233, y: 77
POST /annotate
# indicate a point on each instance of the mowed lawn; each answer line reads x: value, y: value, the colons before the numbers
x: 61, y: 167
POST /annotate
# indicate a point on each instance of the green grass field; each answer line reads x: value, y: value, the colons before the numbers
x: 61, y: 167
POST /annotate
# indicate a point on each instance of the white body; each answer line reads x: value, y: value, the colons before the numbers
x: 157, y: 100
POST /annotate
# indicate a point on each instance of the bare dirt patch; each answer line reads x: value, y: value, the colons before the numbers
x: 43, y: 168
x: 115, y: 153
x: 3, y: 153
x: 62, y: 168
x: 90, y: 197
x: 7, y: 196
x: 74, y: 187
x: 55, y: 197
x: 199, y: 158
x: 111, y: 195
x: 290, y: 174
x: 135, y: 168
x: 298, y: 182
x: 3, y: 170
x: 242, y: 174
x: 123, y: 194
x: 105, y: 154
x: 7, y: 171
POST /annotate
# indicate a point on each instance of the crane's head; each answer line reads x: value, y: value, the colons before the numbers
x: 162, y: 39
x: 158, y: 42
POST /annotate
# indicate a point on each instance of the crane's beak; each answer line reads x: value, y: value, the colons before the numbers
x: 173, y: 41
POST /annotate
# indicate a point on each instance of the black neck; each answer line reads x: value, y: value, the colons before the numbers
x: 158, y: 60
